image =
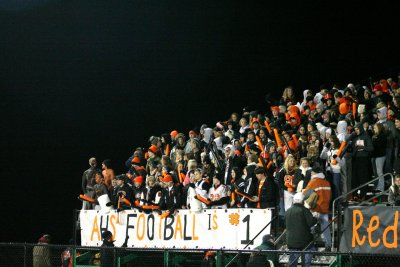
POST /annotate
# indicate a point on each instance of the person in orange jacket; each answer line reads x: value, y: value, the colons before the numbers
x: 322, y: 188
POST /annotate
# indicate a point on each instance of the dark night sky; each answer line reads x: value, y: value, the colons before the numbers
x: 83, y: 78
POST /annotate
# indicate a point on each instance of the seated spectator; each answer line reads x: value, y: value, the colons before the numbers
x: 260, y: 258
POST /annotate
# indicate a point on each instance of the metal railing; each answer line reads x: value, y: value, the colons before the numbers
x: 21, y: 254
x: 345, y: 195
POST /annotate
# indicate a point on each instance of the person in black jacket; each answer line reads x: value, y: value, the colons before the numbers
x: 107, y: 254
x: 266, y: 193
x: 170, y: 195
x: 362, y: 148
x: 299, y: 221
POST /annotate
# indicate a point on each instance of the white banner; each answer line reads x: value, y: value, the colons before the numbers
x: 210, y: 228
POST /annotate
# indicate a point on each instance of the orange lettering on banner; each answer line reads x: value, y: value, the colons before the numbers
x: 194, y: 237
x: 178, y: 226
x: 371, y: 228
x: 393, y: 229
x: 140, y: 236
x: 113, y: 226
x: 95, y: 229
x: 215, y: 225
x: 355, y: 237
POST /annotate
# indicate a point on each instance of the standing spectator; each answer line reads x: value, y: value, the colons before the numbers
x: 266, y: 194
x: 231, y: 160
x: 390, y: 132
x: 107, y: 254
x: 362, y: 147
x: 218, y: 192
x: 153, y: 158
x: 99, y: 188
x: 333, y: 163
x: 42, y: 253
x: 285, y: 180
x: 122, y: 191
x: 299, y: 221
x: 237, y: 183
x: 379, y: 154
x: 170, y: 195
x: 88, y: 182
x: 108, y: 172
x: 321, y: 186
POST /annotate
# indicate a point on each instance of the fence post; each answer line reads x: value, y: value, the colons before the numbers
x: 25, y: 255
x: 166, y: 258
x: 218, y: 260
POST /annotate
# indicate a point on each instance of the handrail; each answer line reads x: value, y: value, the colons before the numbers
x: 347, y: 194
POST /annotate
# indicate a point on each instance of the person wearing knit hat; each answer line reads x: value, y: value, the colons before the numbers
x: 299, y: 221
x: 170, y: 195
x: 153, y: 157
x: 137, y: 188
x: 41, y: 253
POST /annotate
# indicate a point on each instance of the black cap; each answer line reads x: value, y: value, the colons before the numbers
x: 316, y: 168
x: 259, y: 170
x: 106, y: 235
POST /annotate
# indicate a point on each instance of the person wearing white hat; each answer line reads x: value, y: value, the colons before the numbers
x: 299, y: 221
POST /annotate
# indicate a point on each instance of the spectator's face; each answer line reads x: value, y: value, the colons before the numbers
x: 233, y: 174
x: 291, y: 162
x: 397, y: 123
x: 120, y: 182
x: 114, y: 182
x: 197, y: 175
x: 376, y: 130
x: 251, y: 137
x: 98, y: 179
x: 305, y: 164
x: 397, y: 181
x: 151, y: 183
x: 357, y: 130
x: 216, y: 181
x: 234, y: 117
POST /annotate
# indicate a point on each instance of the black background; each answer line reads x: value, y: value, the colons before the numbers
x: 97, y: 78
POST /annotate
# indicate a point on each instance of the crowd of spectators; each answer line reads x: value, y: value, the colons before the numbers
x: 323, y: 144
